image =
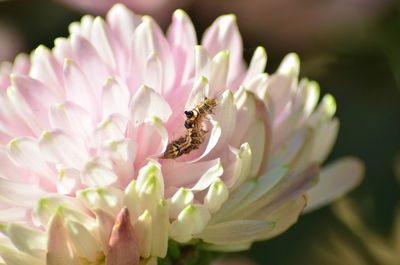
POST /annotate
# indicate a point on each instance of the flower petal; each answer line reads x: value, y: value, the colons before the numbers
x: 28, y: 240
x: 147, y: 103
x: 182, y: 38
x: 14, y: 257
x: 107, y: 199
x: 115, y: 98
x: 24, y: 151
x: 336, y: 179
x: 124, y: 247
x: 224, y: 34
x: 257, y: 65
x: 238, y: 231
x: 98, y: 172
x: 190, y: 221
x: 72, y: 119
x: 57, y: 147
x: 59, y: 250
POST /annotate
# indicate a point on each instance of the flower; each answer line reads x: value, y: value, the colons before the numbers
x: 83, y: 127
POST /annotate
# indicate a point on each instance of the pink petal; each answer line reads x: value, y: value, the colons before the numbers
x: 147, y: 103
x: 36, y: 96
x: 122, y: 23
x: 58, y: 147
x: 257, y: 65
x: 59, y: 251
x: 292, y: 186
x: 100, y: 37
x: 182, y: 38
x: 115, y: 98
x: 24, y: 151
x: 90, y: 62
x: 123, y: 244
x: 45, y: 69
x: 285, y: 216
x: 122, y: 153
x: 337, y: 179
x: 98, y: 172
x: 224, y: 34
x: 105, y: 224
x: 71, y: 119
x: 78, y: 88
x: 182, y: 174
x: 152, y: 139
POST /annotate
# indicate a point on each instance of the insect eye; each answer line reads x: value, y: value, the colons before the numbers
x: 189, y: 113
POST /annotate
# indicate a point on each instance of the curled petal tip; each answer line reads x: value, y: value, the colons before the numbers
x: 123, y: 246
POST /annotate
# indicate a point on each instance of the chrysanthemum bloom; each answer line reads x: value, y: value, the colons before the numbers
x: 82, y: 127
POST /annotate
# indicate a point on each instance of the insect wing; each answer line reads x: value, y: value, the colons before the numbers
x: 198, y: 93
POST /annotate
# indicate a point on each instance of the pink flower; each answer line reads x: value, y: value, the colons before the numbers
x: 83, y: 126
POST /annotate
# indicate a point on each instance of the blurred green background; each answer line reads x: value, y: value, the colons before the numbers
x: 354, y: 56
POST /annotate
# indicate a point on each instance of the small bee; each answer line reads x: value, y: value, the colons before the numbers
x: 194, y: 130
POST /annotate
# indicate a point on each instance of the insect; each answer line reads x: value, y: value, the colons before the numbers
x: 194, y: 130
x: 199, y: 111
x: 192, y: 140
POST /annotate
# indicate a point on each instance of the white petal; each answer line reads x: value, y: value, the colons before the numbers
x: 111, y: 129
x: 160, y: 229
x: 257, y: 65
x: 150, y: 182
x: 47, y: 206
x: 13, y: 257
x: 208, y: 177
x: 182, y: 198
x: 58, y: 147
x: 144, y: 234
x: 98, y: 172
x: 217, y: 194
x: 45, y: 69
x: 246, y: 115
x: 219, y: 73
x: 336, y: 179
x: 68, y: 180
x: 107, y: 199
x: 72, y: 119
x: 147, y: 103
x: 202, y: 63
x: 284, y: 216
x: 24, y: 151
x: 28, y: 240
x: 122, y: 153
x: 83, y: 242
x: 115, y: 98
x: 100, y: 37
x: 191, y: 220
x: 78, y: 89
x: 239, y: 170
x: 236, y: 231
